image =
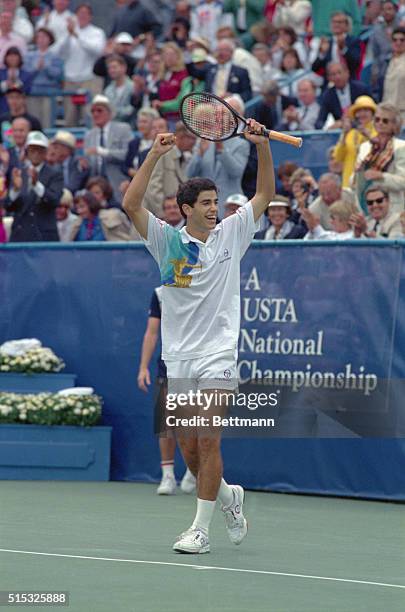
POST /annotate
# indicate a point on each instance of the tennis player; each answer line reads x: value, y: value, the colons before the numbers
x: 200, y: 273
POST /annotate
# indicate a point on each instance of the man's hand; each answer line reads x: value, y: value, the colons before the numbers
x: 71, y: 26
x: 324, y: 46
x: 91, y: 151
x: 204, y: 144
x: 33, y: 173
x: 290, y: 114
x: 163, y: 144
x: 358, y: 223
x: 310, y: 219
x: 144, y: 379
x: 253, y: 132
x: 83, y: 163
x: 16, y: 177
x: 373, y: 175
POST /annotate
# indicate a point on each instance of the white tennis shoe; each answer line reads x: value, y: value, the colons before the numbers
x: 193, y: 541
x: 168, y: 486
x: 188, y: 483
x: 236, y: 524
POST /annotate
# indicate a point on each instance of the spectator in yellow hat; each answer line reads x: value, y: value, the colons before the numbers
x: 357, y: 127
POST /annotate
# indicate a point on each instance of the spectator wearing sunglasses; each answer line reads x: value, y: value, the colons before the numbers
x: 394, y: 82
x: 381, y: 221
x: 382, y: 159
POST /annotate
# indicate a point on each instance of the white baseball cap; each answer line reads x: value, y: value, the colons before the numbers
x: 37, y: 138
x: 123, y: 38
x: 65, y: 138
x: 237, y: 198
x: 100, y: 100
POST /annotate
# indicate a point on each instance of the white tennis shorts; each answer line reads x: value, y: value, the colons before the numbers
x: 217, y: 371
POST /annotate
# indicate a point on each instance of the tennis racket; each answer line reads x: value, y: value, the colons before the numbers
x: 208, y: 116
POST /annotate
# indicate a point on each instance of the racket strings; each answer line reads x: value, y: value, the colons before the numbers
x: 208, y: 117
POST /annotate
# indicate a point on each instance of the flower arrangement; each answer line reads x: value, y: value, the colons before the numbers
x: 32, y: 362
x: 28, y: 356
x: 50, y: 409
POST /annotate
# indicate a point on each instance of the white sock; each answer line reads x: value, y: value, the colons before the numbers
x: 205, y: 510
x: 167, y: 468
x: 225, y: 493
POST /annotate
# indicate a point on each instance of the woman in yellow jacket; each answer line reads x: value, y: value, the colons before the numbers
x: 358, y: 127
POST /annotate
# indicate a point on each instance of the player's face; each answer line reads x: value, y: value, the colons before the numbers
x: 203, y: 215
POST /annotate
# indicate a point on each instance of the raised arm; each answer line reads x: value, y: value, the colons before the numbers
x: 132, y: 203
x: 265, y: 182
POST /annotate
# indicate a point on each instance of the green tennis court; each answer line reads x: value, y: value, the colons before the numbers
x: 109, y: 545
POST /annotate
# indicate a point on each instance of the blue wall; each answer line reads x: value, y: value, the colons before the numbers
x: 90, y: 302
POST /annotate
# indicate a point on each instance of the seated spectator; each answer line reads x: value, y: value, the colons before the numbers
x: 284, y: 173
x: 170, y: 171
x: 341, y: 94
x: 142, y: 142
x: 79, y: 47
x: 340, y: 219
x: 8, y: 38
x: 339, y: 47
x: 243, y: 59
x: 20, y: 128
x: 225, y: 77
x: 394, y: 81
x: 121, y: 45
x: 281, y: 226
x: 381, y: 221
x: 304, y: 116
x: 293, y: 72
x: 21, y: 23
x: 269, y: 110
x: 286, y: 40
x: 135, y: 19
x: 17, y: 104
x: 57, y: 19
x: 47, y: 70
x: 120, y: 89
x: 244, y: 19
x: 172, y: 213
x: 65, y: 218
x: 380, y: 44
x: 75, y: 172
x: 106, y: 144
x: 101, y: 189
x: 223, y: 162
x: 330, y: 191
x: 358, y: 127
x: 304, y: 191
x: 206, y: 18
x: 172, y: 75
x: 294, y: 14
x: 233, y: 203
x: 179, y: 32
x: 146, y: 81
x: 383, y: 159
x: 34, y: 205
x: 13, y: 75
x: 263, y: 55
x: 97, y: 224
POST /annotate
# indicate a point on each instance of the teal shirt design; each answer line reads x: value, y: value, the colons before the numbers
x: 179, y: 260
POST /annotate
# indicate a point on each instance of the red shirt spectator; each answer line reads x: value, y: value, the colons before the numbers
x: 173, y: 73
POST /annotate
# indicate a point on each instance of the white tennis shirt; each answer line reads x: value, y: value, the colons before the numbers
x: 201, y: 284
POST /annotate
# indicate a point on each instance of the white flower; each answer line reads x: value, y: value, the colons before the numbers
x: 85, y: 411
x: 23, y: 416
x: 77, y: 411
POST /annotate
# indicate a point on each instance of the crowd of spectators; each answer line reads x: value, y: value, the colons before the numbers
x: 293, y: 65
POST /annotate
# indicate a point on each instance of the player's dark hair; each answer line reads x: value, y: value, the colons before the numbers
x: 189, y: 191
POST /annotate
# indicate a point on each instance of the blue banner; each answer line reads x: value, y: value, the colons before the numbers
x: 310, y: 313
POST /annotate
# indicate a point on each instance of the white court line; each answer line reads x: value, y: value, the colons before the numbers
x: 206, y: 567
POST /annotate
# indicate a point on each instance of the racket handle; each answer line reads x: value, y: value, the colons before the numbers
x: 287, y: 138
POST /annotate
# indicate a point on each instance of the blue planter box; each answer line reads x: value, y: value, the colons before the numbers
x: 36, y: 383
x: 37, y: 452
